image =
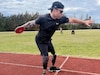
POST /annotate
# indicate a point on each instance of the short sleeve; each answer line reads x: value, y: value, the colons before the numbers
x: 64, y: 20
x: 38, y: 20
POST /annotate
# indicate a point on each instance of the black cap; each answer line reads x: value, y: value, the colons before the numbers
x: 57, y: 5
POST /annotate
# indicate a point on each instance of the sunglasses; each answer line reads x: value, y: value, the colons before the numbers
x: 61, y: 11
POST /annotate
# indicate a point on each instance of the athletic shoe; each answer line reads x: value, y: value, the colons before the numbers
x: 54, y: 69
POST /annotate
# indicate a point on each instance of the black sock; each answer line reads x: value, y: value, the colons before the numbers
x: 53, y: 59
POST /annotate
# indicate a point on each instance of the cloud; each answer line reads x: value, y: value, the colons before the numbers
x: 10, y: 7
x: 98, y: 2
x: 21, y: 6
x: 73, y: 9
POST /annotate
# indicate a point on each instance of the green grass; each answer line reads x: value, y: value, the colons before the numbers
x: 85, y: 43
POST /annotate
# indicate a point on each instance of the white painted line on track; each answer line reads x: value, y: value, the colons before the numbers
x: 62, y: 64
x: 79, y: 72
x: 21, y: 65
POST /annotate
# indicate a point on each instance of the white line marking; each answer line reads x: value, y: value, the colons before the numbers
x: 22, y: 65
x: 79, y: 72
x: 31, y: 66
x: 73, y: 70
x: 62, y: 64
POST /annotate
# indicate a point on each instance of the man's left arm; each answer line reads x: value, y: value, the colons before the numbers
x: 86, y: 22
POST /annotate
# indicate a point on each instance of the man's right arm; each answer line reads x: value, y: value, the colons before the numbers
x: 32, y: 23
x: 29, y: 24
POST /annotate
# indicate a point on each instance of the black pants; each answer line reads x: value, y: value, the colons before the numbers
x: 45, y: 47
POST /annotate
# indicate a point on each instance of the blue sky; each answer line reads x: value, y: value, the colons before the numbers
x: 75, y: 8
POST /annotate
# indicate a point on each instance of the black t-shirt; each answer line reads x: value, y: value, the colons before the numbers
x: 48, y: 26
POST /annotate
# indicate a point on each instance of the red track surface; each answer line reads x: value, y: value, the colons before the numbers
x: 27, y: 64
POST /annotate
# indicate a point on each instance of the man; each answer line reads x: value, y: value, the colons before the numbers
x: 61, y: 30
x: 48, y: 24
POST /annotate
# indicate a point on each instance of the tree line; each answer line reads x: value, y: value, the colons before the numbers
x: 9, y: 23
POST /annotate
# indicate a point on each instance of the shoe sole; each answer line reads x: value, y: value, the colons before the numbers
x: 54, y: 70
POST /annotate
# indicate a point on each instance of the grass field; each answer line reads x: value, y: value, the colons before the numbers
x: 85, y: 43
